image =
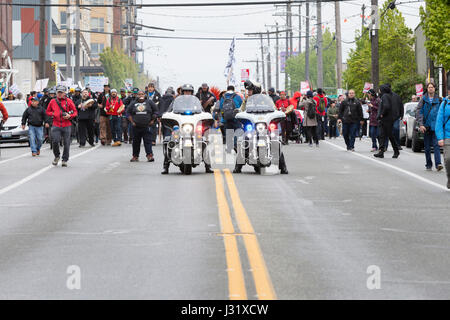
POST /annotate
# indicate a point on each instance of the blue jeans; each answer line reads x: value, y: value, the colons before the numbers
x: 374, y: 133
x: 36, y: 135
x: 116, y: 128
x: 349, y: 132
x: 428, y: 140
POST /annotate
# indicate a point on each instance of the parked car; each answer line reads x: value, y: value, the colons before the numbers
x: 407, y: 125
x: 12, y: 131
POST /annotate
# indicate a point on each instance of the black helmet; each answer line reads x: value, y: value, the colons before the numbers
x: 187, y: 87
x: 77, y: 89
x: 254, y: 86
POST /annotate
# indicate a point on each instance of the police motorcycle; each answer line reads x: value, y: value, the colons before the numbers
x: 186, y: 144
x: 260, y: 143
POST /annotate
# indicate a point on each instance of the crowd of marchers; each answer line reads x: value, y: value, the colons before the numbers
x: 114, y: 117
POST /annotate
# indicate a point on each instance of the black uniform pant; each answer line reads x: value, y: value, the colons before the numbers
x: 140, y: 134
x: 386, y: 132
x: 332, y: 129
x: 86, y: 130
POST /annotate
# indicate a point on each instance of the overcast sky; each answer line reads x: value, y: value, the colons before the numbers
x: 197, y: 61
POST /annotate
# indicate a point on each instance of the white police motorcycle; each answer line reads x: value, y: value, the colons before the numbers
x: 187, y: 142
x: 260, y: 143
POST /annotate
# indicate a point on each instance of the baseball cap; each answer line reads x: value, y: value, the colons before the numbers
x: 60, y: 89
x: 35, y: 99
x: 135, y: 90
x: 113, y: 90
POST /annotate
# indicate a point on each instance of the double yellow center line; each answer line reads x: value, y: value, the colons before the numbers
x: 236, y: 282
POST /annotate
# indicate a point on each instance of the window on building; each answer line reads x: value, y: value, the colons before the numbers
x: 96, y: 49
x: 63, y: 20
x: 98, y: 24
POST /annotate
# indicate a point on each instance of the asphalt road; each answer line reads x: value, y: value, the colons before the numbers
x: 135, y: 234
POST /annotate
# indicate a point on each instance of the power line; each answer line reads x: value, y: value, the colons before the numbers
x: 171, y: 5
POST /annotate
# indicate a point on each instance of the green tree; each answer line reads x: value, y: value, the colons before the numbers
x: 435, y: 21
x: 118, y: 67
x: 397, y: 62
x: 295, y: 66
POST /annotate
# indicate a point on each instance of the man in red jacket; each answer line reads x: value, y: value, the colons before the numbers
x: 114, y: 109
x: 321, y: 104
x: 4, y: 114
x: 63, y: 110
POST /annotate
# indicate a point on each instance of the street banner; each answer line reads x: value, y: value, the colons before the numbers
x: 283, y: 59
x: 40, y: 85
x: 304, y: 87
x: 245, y: 75
x: 228, y: 72
x: 419, y: 90
x: 367, y: 87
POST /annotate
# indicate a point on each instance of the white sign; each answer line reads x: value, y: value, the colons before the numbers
x: 129, y: 84
x: 304, y: 87
x: 17, y: 33
x: 14, y: 89
x: 245, y: 75
x: 96, y: 83
x: 40, y: 85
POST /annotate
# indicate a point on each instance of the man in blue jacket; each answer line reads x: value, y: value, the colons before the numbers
x: 442, y: 130
x: 230, y: 98
x: 426, y: 113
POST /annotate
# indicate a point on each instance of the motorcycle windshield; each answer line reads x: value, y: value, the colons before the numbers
x: 260, y: 103
x: 187, y: 105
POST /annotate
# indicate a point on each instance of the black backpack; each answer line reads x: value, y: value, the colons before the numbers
x: 311, y: 113
x: 229, y: 108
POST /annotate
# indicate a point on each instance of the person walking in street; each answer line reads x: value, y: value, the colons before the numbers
x: 442, y: 130
x: 206, y: 97
x: 142, y: 114
x: 351, y: 116
x: 310, y: 119
x: 114, y: 109
x: 104, y: 123
x: 374, y: 132
x: 426, y: 114
x: 386, y: 117
x: 125, y: 123
x: 36, y: 118
x: 164, y: 104
x: 63, y: 111
x: 4, y: 113
x: 397, y: 113
x: 282, y: 105
x: 86, y: 118
x: 155, y: 97
x: 273, y: 95
x: 321, y: 104
x: 333, y: 115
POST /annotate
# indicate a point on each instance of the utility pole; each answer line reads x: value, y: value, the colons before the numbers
x: 319, y: 46
x: 374, y: 44
x: 337, y: 15
x: 262, y: 59
x: 42, y: 40
x: 277, y: 61
x: 269, y: 65
x: 291, y: 33
x: 78, y: 42
x: 307, y: 43
x: 286, y: 54
x: 68, y: 41
x: 363, y: 12
x: 299, y: 28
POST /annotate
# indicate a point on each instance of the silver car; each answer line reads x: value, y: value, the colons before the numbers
x: 407, y: 124
x: 12, y: 131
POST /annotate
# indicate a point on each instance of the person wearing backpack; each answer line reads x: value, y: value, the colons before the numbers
x: 63, y: 110
x: 442, y: 131
x: 230, y: 103
x: 350, y: 115
x: 310, y: 119
x: 426, y: 114
x: 321, y: 104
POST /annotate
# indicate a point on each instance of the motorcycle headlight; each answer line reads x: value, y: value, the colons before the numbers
x: 188, y: 128
x: 260, y: 127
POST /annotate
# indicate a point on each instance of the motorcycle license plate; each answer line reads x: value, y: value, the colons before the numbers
x: 6, y: 134
x: 261, y: 143
x: 188, y: 143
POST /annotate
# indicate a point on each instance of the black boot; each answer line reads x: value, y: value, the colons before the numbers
x: 396, y: 154
x: 238, y: 168
x: 208, y: 168
x: 380, y: 154
x: 165, y: 171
